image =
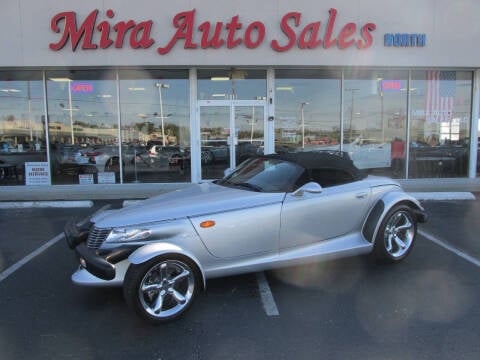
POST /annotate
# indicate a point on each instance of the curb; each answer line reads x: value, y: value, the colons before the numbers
x: 46, y: 204
x: 443, y: 195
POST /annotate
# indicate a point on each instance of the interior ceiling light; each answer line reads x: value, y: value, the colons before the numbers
x: 10, y: 90
x: 136, y: 89
x: 64, y: 79
x: 220, y: 78
x: 284, y: 88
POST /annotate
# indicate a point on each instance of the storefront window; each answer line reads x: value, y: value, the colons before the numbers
x: 375, y: 120
x: 155, y: 125
x: 82, y: 124
x: 307, y: 110
x: 22, y: 125
x: 440, y: 123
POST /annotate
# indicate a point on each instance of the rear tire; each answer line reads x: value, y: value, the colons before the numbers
x: 396, y: 235
x: 162, y: 289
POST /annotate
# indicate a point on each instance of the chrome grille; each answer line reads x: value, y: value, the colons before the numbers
x: 96, y: 237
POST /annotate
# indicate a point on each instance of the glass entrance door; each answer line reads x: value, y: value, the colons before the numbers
x: 230, y: 132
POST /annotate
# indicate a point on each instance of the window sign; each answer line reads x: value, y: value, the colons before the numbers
x: 37, y: 173
x: 106, y: 177
x: 85, y: 179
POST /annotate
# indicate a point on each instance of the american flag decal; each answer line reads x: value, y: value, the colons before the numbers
x: 440, y: 96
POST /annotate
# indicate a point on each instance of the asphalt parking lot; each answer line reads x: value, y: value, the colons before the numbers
x: 424, y: 308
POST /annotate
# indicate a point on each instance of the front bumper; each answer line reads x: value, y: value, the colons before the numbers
x: 100, y: 263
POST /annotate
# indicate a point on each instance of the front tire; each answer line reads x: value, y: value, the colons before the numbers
x: 161, y: 289
x: 396, y: 235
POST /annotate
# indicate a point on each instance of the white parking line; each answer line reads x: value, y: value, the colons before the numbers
x: 266, y: 295
x: 450, y: 248
x: 9, y: 271
x: 26, y: 259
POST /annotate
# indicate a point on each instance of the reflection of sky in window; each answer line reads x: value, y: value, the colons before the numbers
x: 140, y: 100
x: 17, y: 96
x: 92, y: 101
x: 322, y: 96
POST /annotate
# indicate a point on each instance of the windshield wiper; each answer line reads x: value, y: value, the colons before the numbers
x: 249, y: 186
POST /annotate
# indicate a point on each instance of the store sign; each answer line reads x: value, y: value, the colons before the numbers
x: 37, y: 173
x: 81, y: 87
x: 327, y: 34
x: 405, y: 40
x: 391, y: 85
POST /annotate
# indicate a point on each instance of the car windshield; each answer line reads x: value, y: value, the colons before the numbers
x: 265, y: 175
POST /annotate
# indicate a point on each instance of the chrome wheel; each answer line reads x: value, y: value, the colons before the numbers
x: 399, y: 234
x: 396, y: 235
x: 167, y: 289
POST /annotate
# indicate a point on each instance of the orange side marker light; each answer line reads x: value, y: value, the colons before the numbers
x: 207, y: 224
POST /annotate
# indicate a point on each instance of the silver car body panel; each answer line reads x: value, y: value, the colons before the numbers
x: 340, y: 209
x: 348, y: 245
x: 193, y: 200
x: 241, y: 232
x: 253, y: 231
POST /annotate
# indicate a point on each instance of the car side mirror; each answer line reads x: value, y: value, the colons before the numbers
x: 310, y: 187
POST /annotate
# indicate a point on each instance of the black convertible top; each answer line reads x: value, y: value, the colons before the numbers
x: 327, y: 159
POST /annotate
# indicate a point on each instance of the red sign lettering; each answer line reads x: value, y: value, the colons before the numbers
x: 231, y: 34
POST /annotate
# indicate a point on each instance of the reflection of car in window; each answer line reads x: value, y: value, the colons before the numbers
x: 448, y: 158
x: 168, y: 155
x: 365, y: 153
x: 70, y: 159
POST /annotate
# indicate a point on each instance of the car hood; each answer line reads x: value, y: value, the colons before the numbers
x: 193, y: 200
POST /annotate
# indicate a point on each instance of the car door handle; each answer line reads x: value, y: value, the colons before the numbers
x: 361, y: 195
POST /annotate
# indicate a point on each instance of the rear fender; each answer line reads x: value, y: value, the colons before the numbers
x: 150, y: 251
x: 382, y: 207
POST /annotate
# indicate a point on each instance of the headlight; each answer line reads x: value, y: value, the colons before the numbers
x: 127, y: 235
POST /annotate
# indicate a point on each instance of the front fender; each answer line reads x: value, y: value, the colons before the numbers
x: 386, y: 202
x: 150, y: 251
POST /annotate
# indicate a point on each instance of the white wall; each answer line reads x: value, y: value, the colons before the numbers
x: 452, y: 29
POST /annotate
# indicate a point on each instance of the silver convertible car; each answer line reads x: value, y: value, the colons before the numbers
x: 271, y: 211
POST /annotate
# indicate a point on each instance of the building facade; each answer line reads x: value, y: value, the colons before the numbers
x: 103, y: 92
